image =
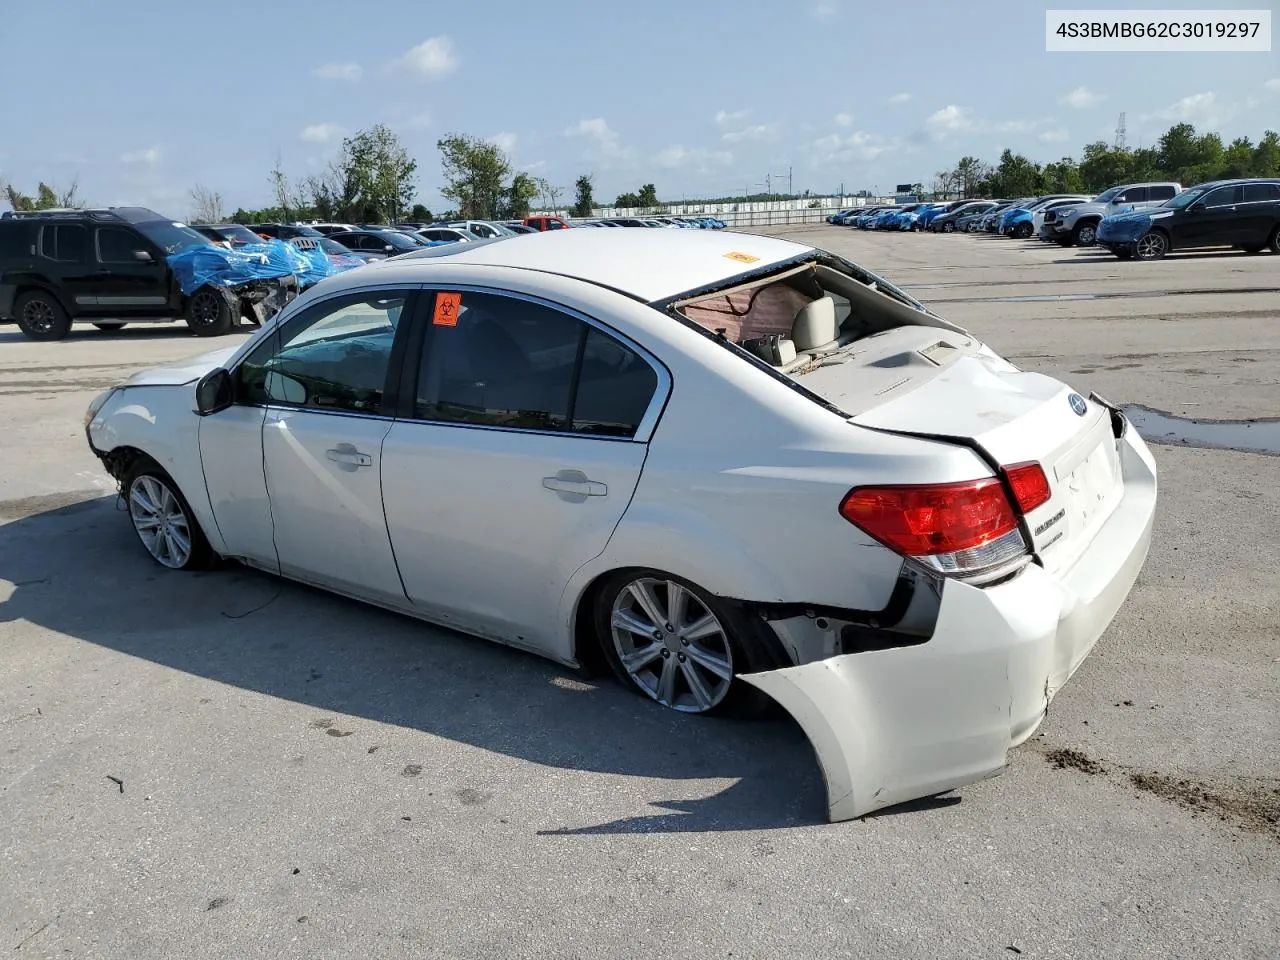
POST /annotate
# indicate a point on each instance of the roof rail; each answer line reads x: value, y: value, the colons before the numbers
x: 96, y: 213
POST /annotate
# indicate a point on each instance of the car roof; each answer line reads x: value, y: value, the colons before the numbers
x: 647, y: 264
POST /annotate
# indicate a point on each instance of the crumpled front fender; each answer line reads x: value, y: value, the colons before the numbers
x: 894, y: 725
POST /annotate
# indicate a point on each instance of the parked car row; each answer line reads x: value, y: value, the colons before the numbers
x: 1142, y: 221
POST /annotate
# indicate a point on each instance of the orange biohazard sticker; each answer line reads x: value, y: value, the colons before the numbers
x: 446, y: 312
x: 741, y: 257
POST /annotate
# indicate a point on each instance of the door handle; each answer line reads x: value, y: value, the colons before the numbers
x: 575, y: 483
x: 350, y: 456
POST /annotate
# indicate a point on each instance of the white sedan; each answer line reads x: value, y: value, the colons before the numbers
x: 732, y: 466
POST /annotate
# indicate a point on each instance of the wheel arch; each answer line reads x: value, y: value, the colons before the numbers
x: 25, y: 285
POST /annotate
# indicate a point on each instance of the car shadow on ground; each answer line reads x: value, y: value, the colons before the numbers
x: 78, y: 569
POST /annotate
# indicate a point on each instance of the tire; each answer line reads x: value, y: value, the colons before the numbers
x: 1085, y: 234
x: 40, y: 316
x: 729, y: 644
x: 948, y: 227
x: 1124, y: 253
x: 109, y: 326
x: 211, y: 311
x: 1022, y: 231
x: 1152, y: 245
x: 162, y: 518
x: 1274, y: 243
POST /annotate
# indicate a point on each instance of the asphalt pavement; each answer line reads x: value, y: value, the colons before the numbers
x: 228, y: 765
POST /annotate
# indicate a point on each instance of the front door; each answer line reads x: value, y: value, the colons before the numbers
x: 1210, y: 222
x: 128, y: 286
x: 522, y: 442
x: 322, y: 379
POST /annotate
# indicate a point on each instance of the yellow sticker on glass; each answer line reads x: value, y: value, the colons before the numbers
x: 741, y: 257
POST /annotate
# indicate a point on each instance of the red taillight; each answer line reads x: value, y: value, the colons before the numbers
x: 920, y: 521
x: 1029, y: 485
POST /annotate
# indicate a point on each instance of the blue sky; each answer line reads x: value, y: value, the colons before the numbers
x: 702, y: 98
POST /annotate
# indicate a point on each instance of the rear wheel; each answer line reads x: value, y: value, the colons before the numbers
x: 673, y: 642
x: 41, y: 316
x: 163, y: 520
x: 1151, y: 246
x: 211, y: 311
x: 1085, y: 235
x: 1274, y: 242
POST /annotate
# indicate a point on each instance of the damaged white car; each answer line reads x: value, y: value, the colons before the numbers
x: 725, y: 464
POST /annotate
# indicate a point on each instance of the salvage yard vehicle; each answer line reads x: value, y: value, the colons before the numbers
x: 120, y: 265
x: 730, y: 466
x: 1021, y: 222
x: 946, y: 223
x: 380, y: 243
x: 1239, y: 213
x: 1077, y: 224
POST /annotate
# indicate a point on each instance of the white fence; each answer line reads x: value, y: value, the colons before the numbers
x: 764, y: 213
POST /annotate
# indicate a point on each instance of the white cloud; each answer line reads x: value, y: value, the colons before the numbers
x: 339, y: 71
x: 431, y: 59
x: 725, y: 117
x: 1081, y: 98
x: 146, y: 155
x: 1273, y: 85
x: 900, y: 98
x: 825, y: 9
x: 950, y: 119
x: 1016, y: 126
x: 506, y: 142
x: 1200, y: 109
x: 1054, y: 136
x: 754, y: 133
x: 321, y: 132
x: 858, y: 145
x: 604, y: 140
x: 698, y: 158
x: 843, y: 120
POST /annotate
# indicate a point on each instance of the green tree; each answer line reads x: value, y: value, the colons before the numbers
x: 648, y: 196
x: 47, y: 197
x: 475, y: 173
x: 583, y: 202
x: 1015, y: 176
x: 627, y: 201
x: 1063, y: 177
x: 1266, y: 155
x: 1103, y: 166
x: 1237, y: 159
x: 420, y: 214
x: 520, y: 195
x: 969, y: 176
x: 377, y: 174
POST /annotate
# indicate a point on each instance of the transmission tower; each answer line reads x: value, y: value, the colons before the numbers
x: 1121, y: 141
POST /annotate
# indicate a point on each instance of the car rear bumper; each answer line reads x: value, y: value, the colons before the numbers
x: 893, y: 725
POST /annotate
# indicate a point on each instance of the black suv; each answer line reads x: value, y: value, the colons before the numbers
x: 1238, y: 213
x: 110, y: 267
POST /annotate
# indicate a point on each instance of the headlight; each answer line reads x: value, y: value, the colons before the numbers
x: 98, y: 403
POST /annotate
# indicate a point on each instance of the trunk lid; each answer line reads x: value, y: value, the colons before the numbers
x: 942, y: 385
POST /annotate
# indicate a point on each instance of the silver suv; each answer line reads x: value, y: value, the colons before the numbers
x: 1078, y: 224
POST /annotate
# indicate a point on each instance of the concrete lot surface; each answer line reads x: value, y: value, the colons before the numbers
x: 226, y: 765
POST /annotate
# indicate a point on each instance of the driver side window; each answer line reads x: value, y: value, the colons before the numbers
x: 1222, y: 197
x: 334, y: 356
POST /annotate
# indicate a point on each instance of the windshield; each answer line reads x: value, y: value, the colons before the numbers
x: 333, y: 247
x: 238, y: 235
x: 400, y: 241
x: 1186, y: 197
x: 172, y: 237
x: 1107, y: 195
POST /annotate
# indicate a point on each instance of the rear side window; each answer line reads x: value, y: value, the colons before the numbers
x: 505, y: 362
x: 117, y: 246
x: 17, y: 238
x: 1162, y: 193
x: 1261, y: 192
x: 65, y: 242
x: 1136, y: 195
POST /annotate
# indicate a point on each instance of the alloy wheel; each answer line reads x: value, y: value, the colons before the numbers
x: 672, y: 646
x: 1087, y: 236
x: 160, y: 521
x: 38, y: 316
x: 1151, y: 246
x: 204, y: 309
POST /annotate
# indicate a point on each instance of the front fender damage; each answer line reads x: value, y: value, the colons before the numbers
x: 898, y: 724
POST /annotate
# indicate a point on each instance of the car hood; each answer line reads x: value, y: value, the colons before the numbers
x: 184, y: 371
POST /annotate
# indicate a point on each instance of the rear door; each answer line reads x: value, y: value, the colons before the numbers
x: 1259, y: 213
x: 324, y: 380
x: 1215, y: 223
x: 521, y: 442
x: 65, y: 249
x: 128, y: 286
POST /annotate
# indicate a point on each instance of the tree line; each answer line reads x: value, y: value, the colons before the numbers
x: 1181, y: 154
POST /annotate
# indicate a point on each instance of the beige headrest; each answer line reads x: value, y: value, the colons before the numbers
x: 815, y: 324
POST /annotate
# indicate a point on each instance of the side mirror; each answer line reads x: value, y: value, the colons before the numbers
x: 389, y: 248
x: 142, y: 256
x: 214, y: 392
x: 1119, y: 200
x: 1197, y: 207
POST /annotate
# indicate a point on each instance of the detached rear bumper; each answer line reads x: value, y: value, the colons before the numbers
x: 893, y: 725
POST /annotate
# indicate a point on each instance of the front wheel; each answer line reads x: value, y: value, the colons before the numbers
x: 163, y: 520
x: 948, y: 227
x: 1151, y: 246
x: 210, y: 311
x: 673, y: 642
x: 1022, y: 231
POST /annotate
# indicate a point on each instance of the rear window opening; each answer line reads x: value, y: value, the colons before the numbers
x: 799, y: 316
